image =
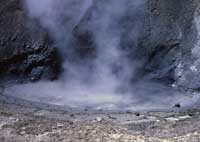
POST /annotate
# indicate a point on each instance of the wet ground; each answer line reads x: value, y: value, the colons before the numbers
x: 142, y: 95
x: 25, y: 121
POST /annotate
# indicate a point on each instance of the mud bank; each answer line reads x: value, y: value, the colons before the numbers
x: 23, y: 121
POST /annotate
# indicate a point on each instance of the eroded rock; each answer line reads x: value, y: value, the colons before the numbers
x: 24, y: 45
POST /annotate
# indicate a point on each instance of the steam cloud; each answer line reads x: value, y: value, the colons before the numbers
x: 105, y: 80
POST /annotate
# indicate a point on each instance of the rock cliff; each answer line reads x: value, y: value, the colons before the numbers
x: 167, y: 42
x: 25, y: 49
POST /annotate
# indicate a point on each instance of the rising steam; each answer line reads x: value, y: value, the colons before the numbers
x: 103, y: 81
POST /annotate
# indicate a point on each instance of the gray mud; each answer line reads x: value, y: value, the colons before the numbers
x: 25, y: 121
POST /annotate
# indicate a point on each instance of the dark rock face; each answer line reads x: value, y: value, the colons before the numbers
x: 173, y: 35
x: 162, y: 34
x: 25, y: 49
x: 167, y: 42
